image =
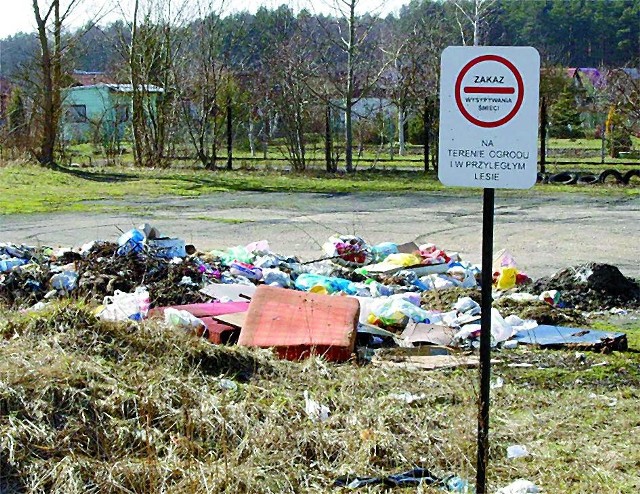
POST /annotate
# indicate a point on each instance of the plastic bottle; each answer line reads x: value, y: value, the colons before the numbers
x: 458, y: 484
x: 142, y: 294
x: 238, y: 268
x: 131, y: 241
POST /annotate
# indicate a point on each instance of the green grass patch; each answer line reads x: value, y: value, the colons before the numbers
x: 31, y: 189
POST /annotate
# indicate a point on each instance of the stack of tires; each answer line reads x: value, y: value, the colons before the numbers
x: 609, y: 176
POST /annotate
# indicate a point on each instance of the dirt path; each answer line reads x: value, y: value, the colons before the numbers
x: 544, y: 234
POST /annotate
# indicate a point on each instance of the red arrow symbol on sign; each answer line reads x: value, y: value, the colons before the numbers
x: 489, y: 90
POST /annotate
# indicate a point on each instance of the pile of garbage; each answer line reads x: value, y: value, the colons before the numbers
x: 407, y: 294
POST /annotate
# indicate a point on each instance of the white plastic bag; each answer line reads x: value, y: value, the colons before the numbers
x: 122, y: 305
x: 501, y: 330
x: 315, y: 411
x: 520, y: 486
x: 182, y: 319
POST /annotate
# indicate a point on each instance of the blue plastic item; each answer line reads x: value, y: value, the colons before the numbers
x: 9, y: 264
x: 458, y: 484
x: 131, y: 241
x: 306, y: 281
x: 383, y: 250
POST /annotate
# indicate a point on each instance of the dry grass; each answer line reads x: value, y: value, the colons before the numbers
x: 88, y: 406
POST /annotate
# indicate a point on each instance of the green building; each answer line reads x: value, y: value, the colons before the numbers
x: 101, y: 112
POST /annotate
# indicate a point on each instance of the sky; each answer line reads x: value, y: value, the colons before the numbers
x: 19, y: 16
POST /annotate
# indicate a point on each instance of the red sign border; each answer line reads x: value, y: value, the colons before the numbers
x: 520, y: 97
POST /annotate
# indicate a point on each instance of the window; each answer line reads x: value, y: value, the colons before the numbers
x: 122, y: 113
x: 77, y: 113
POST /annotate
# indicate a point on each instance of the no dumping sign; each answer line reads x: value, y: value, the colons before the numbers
x: 489, y: 116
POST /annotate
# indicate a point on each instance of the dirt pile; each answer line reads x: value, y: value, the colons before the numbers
x: 591, y: 287
x: 101, y: 272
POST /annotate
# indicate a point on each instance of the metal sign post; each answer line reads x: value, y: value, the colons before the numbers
x: 488, y: 139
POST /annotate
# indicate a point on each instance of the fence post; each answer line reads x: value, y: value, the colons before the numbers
x: 426, y: 123
x: 229, y: 134
x: 543, y: 134
x: 603, y: 136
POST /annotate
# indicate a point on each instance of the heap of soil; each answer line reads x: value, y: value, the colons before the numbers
x: 591, y: 287
x: 445, y: 299
x: 102, y: 272
x: 541, y: 312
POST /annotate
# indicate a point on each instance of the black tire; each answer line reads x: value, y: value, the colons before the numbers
x: 610, y: 173
x: 587, y: 179
x: 563, y: 178
x: 543, y: 178
x: 629, y: 175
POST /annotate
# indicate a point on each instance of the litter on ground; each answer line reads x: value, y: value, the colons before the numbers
x: 353, y: 295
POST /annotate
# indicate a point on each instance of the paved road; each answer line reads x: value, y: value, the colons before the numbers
x: 543, y: 233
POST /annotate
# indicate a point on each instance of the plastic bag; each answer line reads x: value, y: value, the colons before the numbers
x: 467, y: 305
x: 259, y: 246
x: 506, y: 278
x: 182, y: 319
x: 316, y: 411
x: 275, y: 277
x: 123, y: 306
x: 348, y: 251
x: 501, y: 330
x: 403, y: 259
x: 396, y: 311
x: 66, y: 280
x: 238, y: 253
x: 381, y: 251
x: 316, y: 283
x: 520, y: 486
x: 238, y: 268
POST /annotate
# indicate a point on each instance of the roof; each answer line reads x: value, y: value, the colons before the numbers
x: 594, y: 75
x: 122, y: 88
x: 633, y: 73
x: 84, y: 78
x: 128, y: 88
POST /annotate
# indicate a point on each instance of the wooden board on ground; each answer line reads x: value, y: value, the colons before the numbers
x: 235, y: 320
x: 431, y: 362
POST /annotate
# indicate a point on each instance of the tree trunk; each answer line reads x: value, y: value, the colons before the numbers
x: 251, y: 136
x: 401, y: 143
x: 543, y: 134
x: 265, y: 142
x: 49, y: 65
x: 136, y: 101
x: 229, y: 134
x: 426, y: 124
x: 348, y: 149
x: 328, y: 140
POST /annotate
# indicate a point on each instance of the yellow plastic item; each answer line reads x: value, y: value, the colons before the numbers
x: 403, y: 259
x: 507, y: 278
x: 319, y: 289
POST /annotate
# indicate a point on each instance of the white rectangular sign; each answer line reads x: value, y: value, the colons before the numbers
x: 489, y: 116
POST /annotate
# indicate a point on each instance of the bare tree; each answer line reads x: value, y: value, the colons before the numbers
x: 50, y: 21
x: 414, y: 47
x: 152, y: 46
x: 292, y: 98
x: 203, y: 77
x: 348, y: 56
x: 473, y: 13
